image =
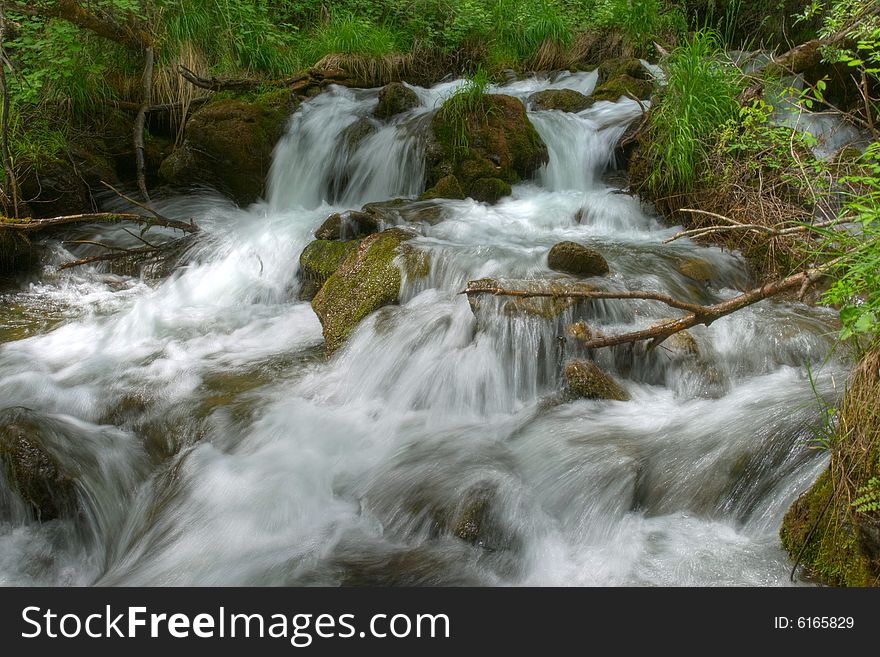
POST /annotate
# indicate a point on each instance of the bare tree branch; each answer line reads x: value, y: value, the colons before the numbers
x: 37, y: 225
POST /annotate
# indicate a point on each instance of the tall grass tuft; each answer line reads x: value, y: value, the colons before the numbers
x: 468, y: 103
x: 699, y: 98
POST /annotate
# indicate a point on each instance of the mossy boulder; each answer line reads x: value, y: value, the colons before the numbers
x: 318, y: 261
x: 348, y: 225
x: 681, y: 345
x: 489, y: 190
x: 828, y: 549
x: 394, y: 99
x: 228, y: 145
x: 628, y: 66
x: 367, y: 280
x: 446, y: 187
x: 577, y: 259
x: 584, y: 380
x: 565, y: 100
x: 622, y: 85
x: 31, y: 470
x: 494, y: 142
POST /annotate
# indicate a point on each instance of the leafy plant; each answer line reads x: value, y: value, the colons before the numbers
x: 467, y: 104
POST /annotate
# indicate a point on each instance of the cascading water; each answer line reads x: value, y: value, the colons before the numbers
x: 215, y: 445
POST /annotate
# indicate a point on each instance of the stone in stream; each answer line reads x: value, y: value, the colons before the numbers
x: 584, y: 380
x: 357, y: 132
x: 486, y: 149
x: 446, y: 187
x: 31, y: 470
x: 228, y: 144
x: 318, y: 261
x: 696, y: 269
x: 348, y: 225
x: 565, y: 100
x: 577, y: 259
x: 394, y: 99
x: 367, y: 279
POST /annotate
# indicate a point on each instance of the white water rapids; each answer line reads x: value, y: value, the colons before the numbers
x: 215, y: 444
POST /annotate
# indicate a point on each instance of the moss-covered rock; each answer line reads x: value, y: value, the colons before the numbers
x: 494, y: 141
x: 446, y: 187
x: 348, y: 225
x: 31, y: 470
x: 394, y: 99
x: 565, y: 100
x: 367, y: 280
x: 228, y: 145
x: 577, y: 259
x: 830, y: 551
x: 489, y: 190
x: 628, y: 66
x: 543, y: 307
x: 681, y: 345
x: 318, y: 261
x: 584, y: 380
x: 622, y: 85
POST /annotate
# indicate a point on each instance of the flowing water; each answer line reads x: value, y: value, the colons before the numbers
x: 215, y: 444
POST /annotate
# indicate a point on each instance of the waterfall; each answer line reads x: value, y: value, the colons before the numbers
x: 216, y: 445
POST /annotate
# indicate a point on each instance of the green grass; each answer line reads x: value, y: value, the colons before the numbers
x: 700, y: 97
x: 460, y: 108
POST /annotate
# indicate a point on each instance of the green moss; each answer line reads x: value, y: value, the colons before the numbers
x: 367, y: 280
x: 416, y: 263
x: 832, y: 551
x: 446, y: 187
x: 318, y: 261
x: 623, y: 85
x: 489, y: 190
x: 565, y: 100
x: 394, y: 99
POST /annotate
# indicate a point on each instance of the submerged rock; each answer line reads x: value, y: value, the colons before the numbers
x: 318, y: 261
x: 565, y: 100
x: 584, y: 380
x: 395, y: 98
x: 577, y: 259
x: 32, y: 471
x: 228, y: 145
x: 697, y: 269
x: 486, y: 149
x: 367, y: 280
x: 357, y: 132
x: 348, y: 225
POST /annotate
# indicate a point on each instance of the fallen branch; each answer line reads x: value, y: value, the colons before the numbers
x: 570, y: 292
x: 735, y: 226
x: 233, y: 84
x: 37, y: 225
x: 697, y: 314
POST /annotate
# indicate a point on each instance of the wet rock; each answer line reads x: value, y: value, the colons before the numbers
x: 500, y: 143
x: 565, y: 100
x: 696, y: 269
x: 367, y: 280
x: 489, y: 190
x: 416, y: 263
x: 446, y: 187
x: 622, y: 85
x: 545, y: 308
x: 584, y: 380
x: 228, y: 145
x: 582, y: 332
x: 354, y: 135
x: 681, y: 345
x: 32, y: 471
x: 395, y: 98
x: 318, y: 261
x: 348, y: 226
x: 577, y: 259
